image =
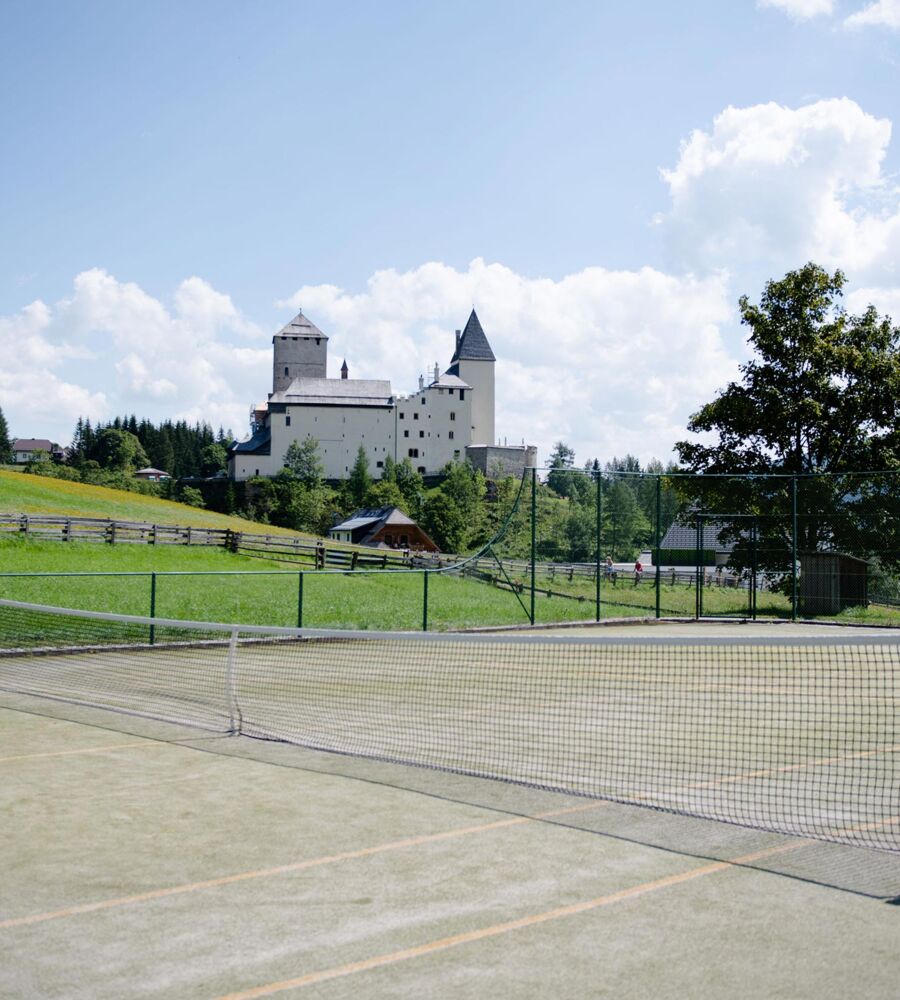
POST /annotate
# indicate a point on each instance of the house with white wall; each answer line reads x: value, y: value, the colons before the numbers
x: 449, y: 418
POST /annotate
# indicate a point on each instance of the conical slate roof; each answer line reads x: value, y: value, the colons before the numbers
x: 473, y: 345
x: 300, y: 326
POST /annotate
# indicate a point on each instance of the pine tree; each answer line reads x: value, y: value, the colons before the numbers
x: 360, y: 481
x: 6, y: 455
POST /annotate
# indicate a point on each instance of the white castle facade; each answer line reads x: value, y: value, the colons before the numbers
x: 449, y: 419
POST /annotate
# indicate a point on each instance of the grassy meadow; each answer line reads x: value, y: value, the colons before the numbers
x: 21, y: 493
x: 210, y: 584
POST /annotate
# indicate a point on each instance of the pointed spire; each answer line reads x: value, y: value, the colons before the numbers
x: 345, y: 371
x: 473, y: 345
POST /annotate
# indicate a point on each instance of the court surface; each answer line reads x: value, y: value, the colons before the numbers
x: 145, y: 859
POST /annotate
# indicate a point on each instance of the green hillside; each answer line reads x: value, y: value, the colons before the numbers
x: 21, y: 493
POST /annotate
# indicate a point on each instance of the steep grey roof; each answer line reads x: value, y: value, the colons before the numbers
x: 473, y: 344
x: 259, y: 444
x: 374, y: 516
x: 32, y: 444
x: 300, y: 326
x: 336, y: 392
x: 683, y: 536
x: 450, y: 381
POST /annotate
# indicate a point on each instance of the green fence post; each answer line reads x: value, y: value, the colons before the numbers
x: 657, y: 541
x: 754, y: 562
x: 533, y: 537
x: 152, y: 608
x: 793, y: 548
x: 424, y: 600
x: 599, y: 566
x: 698, y: 558
x: 300, y: 599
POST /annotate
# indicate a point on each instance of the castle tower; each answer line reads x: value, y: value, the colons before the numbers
x: 300, y: 350
x: 473, y: 361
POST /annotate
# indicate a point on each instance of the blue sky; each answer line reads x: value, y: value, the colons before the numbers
x: 601, y: 180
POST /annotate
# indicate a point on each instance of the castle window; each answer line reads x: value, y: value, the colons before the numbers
x: 406, y: 434
x: 402, y: 416
x: 450, y: 435
x: 451, y: 391
x: 413, y: 453
x: 415, y: 416
x: 423, y: 401
x: 317, y: 341
x: 287, y: 421
x: 421, y: 434
x: 421, y: 470
x: 379, y: 465
x: 462, y: 394
x: 285, y: 370
x: 452, y: 415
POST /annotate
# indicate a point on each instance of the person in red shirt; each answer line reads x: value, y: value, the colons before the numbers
x: 638, y: 572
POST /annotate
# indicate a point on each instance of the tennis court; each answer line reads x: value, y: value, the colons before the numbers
x: 173, y: 843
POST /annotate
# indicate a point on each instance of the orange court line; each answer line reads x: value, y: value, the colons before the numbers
x: 68, y: 753
x: 482, y: 933
x: 365, y: 852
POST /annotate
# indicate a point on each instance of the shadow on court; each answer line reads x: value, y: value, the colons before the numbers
x: 143, y: 859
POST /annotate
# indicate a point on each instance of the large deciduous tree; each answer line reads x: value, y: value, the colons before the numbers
x: 819, y: 396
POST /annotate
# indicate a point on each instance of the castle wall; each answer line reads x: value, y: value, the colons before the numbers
x: 297, y: 357
x: 480, y: 376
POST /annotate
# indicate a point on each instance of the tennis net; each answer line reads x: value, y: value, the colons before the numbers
x: 795, y: 735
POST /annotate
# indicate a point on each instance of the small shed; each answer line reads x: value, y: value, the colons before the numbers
x: 152, y: 475
x: 831, y: 582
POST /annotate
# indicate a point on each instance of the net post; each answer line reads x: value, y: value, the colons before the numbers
x: 657, y: 539
x: 793, y: 548
x: 424, y: 600
x: 599, y: 565
x: 300, y: 599
x: 533, y: 538
x: 152, y: 608
x: 234, y: 715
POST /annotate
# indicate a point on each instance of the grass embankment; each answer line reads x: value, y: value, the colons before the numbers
x: 21, y: 493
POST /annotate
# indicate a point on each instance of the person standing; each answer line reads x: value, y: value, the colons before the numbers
x: 638, y: 571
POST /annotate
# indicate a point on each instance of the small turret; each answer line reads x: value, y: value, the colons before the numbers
x: 345, y: 371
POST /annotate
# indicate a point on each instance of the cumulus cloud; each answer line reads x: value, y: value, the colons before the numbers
x: 139, y: 355
x: 883, y: 14
x: 800, y: 10
x: 769, y: 187
x: 608, y: 361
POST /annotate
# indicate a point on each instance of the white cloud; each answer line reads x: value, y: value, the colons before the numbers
x: 770, y: 187
x: 800, y: 10
x: 145, y: 358
x: 608, y: 361
x: 883, y: 13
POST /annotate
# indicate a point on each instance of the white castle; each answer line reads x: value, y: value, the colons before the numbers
x: 449, y: 419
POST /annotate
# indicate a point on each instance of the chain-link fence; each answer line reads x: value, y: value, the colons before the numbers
x: 567, y: 545
x: 624, y: 544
